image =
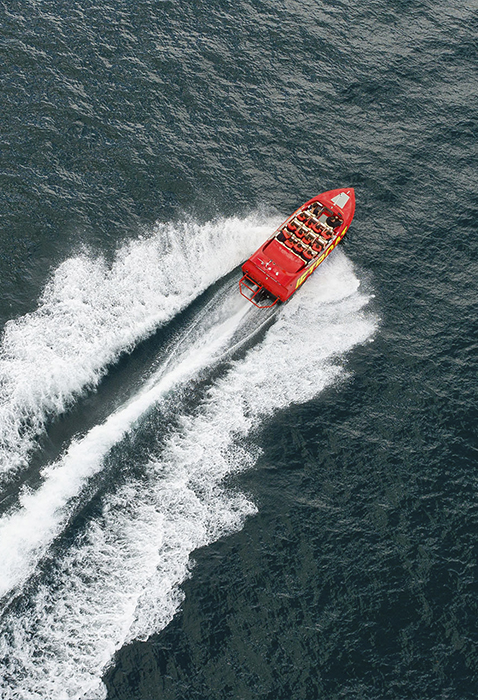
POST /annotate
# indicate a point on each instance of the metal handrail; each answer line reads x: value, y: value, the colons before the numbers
x: 243, y: 283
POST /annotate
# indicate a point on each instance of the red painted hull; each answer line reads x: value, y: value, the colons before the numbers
x: 283, y: 263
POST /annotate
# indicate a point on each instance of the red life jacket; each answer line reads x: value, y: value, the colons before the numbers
x: 283, y: 235
x: 317, y: 246
x: 316, y: 228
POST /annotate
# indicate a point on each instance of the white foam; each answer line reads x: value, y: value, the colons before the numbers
x: 26, y: 533
x: 121, y: 580
x: 89, y: 313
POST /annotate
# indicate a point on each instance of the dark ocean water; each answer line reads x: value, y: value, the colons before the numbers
x: 198, y: 501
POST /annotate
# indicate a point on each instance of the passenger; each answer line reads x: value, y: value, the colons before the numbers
x: 317, y: 228
x: 308, y: 239
x: 334, y: 221
x: 326, y: 233
x: 300, y: 233
x: 317, y: 208
x: 317, y: 246
x: 283, y: 235
x: 302, y: 216
x: 308, y: 254
x: 292, y: 226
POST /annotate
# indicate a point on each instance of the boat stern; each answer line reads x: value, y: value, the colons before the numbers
x: 256, y: 293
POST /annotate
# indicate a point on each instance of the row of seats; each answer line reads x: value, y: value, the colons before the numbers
x: 304, y: 247
x: 309, y: 226
x: 306, y: 234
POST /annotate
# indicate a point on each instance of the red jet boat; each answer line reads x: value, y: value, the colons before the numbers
x: 297, y: 248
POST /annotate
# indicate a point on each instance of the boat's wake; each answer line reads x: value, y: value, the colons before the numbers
x: 119, y: 577
x: 90, y: 313
x: 227, y: 322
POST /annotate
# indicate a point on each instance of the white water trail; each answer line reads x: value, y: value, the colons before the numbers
x: 121, y: 580
x: 90, y: 313
x: 27, y: 532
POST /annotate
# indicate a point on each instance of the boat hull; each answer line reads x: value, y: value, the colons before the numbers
x: 300, y: 244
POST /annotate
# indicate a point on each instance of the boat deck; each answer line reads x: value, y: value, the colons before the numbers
x: 308, y: 233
